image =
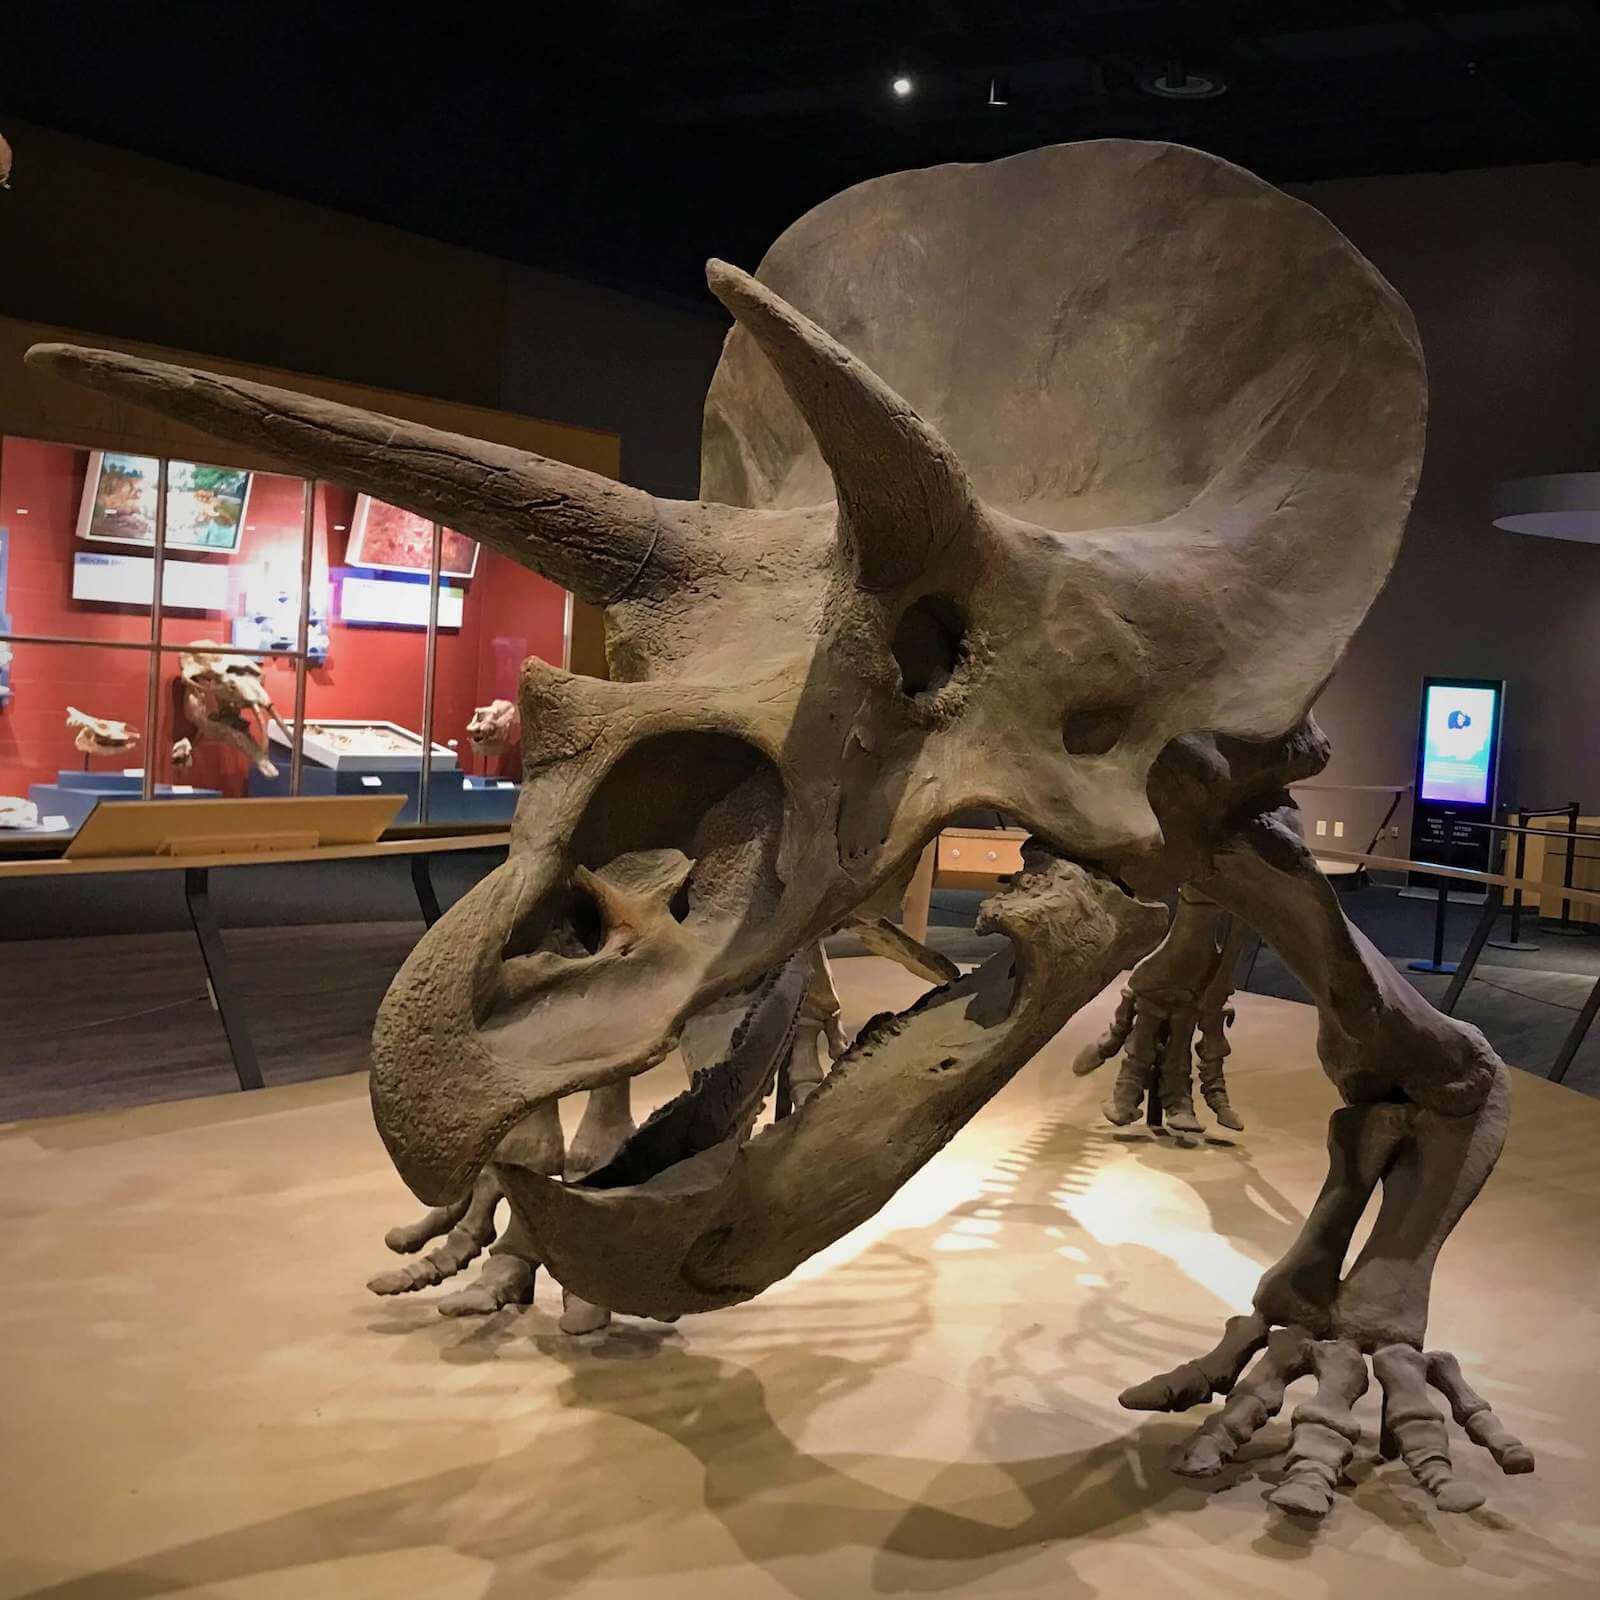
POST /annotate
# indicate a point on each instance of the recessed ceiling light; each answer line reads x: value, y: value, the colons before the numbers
x: 902, y: 86
x: 22, y: 511
x: 339, y: 527
x: 1178, y: 81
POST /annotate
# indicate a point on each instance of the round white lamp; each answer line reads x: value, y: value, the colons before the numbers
x: 1565, y: 505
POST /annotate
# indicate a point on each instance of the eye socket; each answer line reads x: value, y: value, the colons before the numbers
x: 1093, y: 730
x: 927, y: 643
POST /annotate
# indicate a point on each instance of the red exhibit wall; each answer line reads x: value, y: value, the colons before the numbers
x: 371, y: 672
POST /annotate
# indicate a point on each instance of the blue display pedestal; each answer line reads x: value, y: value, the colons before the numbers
x: 454, y: 796
x: 75, y: 794
x: 460, y: 797
x: 322, y: 781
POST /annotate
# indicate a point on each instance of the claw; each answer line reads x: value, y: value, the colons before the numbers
x: 506, y: 1280
x: 436, y: 1221
x: 1194, y: 1382
x: 1324, y: 1432
x: 464, y: 1243
x: 1472, y: 1413
x: 1416, y: 1428
x: 579, y: 1316
x: 1254, y: 1402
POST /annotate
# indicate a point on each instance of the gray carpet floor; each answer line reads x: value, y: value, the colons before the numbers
x: 101, y: 1022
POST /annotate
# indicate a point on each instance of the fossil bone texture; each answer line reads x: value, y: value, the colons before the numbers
x: 224, y: 699
x: 789, y: 1026
x: 1057, y: 486
x: 1173, y: 1018
x: 100, y: 736
x: 18, y: 813
x: 494, y: 728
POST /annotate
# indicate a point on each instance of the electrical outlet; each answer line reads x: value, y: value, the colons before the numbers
x: 1394, y: 830
x: 1322, y: 827
x: 1338, y: 830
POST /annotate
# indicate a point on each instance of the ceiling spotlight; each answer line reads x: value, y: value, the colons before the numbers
x: 1177, y: 81
x: 902, y: 87
x: 1000, y: 91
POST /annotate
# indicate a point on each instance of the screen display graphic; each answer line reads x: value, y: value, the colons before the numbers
x: 1458, y: 726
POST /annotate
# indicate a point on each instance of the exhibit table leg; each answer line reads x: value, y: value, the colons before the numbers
x: 1581, y: 1026
x: 219, y: 974
x: 422, y: 882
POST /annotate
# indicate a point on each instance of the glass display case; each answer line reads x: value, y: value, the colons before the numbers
x: 302, y: 639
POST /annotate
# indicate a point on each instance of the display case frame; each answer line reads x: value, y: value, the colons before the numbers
x: 172, y: 625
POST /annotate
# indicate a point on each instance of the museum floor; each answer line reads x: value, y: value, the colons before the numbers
x: 201, y: 1398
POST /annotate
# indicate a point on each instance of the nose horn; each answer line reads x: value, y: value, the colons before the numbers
x: 904, y: 496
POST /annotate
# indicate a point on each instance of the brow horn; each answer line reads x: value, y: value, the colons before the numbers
x: 903, y: 494
x: 584, y: 532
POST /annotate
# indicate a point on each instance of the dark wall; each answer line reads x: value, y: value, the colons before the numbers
x: 1502, y: 269
x: 97, y: 239
x: 101, y: 240
x: 612, y: 361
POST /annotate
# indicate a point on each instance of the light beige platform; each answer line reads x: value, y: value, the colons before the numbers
x: 201, y: 1399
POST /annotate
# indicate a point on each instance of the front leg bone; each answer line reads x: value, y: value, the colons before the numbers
x: 1179, y: 990
x: 1429, y: 1105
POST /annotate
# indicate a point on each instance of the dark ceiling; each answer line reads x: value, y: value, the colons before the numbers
x: 626, y: 141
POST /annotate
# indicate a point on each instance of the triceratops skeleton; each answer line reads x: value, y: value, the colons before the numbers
x: 1167, y: 426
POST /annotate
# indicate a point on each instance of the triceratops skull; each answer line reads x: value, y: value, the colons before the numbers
x: 224, y: 695
x: 1167, y: 426
x: 100, y: 736
x: 494, y: 728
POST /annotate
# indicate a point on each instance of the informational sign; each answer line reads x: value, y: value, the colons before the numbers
x: 1458, y: 762
x: 395, y: 603
x: 131, y: 581
x: 1459, y: 723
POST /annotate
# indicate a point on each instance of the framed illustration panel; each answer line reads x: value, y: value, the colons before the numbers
x: 388, y: 539
x: 206, y: 505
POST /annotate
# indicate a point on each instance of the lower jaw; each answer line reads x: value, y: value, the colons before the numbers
x: 715, y: 1221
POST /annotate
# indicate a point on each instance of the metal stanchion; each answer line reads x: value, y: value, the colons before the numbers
x: 1564, y: 928
x: 1438, y: 963
x: 1516, y: 941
